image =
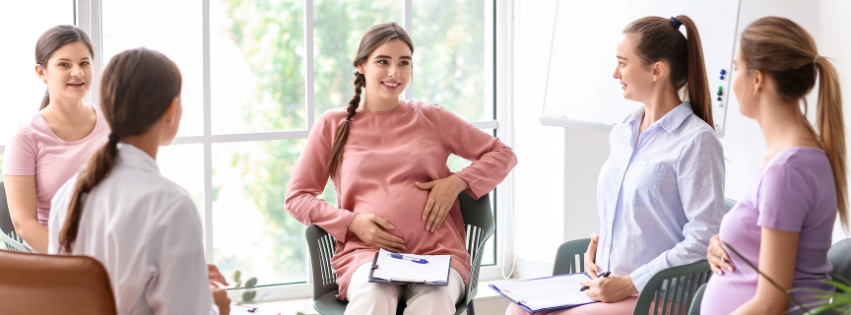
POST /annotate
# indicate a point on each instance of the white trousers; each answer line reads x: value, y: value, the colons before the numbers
x: 381, y: 298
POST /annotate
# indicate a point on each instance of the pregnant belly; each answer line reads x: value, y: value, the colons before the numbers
x: 403, y: 207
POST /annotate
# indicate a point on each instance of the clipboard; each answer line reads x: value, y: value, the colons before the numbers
x: 407, y: 280
x: 524, y: 300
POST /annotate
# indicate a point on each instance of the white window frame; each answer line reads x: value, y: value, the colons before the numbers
x: 89, y: 18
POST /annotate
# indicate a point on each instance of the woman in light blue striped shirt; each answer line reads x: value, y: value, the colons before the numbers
x: 660, y: 194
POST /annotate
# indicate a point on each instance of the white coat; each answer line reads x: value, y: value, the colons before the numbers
x: 146, y: 231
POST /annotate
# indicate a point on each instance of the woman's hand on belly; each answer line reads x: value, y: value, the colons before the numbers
x: 370, y: 229
x: 441, y: 197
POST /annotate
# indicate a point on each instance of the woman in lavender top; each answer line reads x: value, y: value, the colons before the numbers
x: 784, y: 223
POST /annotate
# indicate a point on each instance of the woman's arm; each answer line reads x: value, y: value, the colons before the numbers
x: 308, y: 180
x: 21, y: 196
x: 776, y: 261
x: 492, y: 161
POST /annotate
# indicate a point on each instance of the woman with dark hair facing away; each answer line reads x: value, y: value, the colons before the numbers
x: 48, y: 148
x: 661, y: 192
x: 141, y: 226
x: 785, y: 221
x: 387, y: 159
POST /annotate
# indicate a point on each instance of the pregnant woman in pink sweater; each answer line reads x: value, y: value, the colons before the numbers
x: 387, y: 159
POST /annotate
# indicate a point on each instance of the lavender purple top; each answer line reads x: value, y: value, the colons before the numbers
x: 794, y: 192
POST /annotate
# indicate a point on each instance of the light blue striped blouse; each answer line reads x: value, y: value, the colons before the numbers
x: 660, y: 201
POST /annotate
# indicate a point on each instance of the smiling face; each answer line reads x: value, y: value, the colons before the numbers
x: 387, y: 71
x: 68, y: 73
x: 635, y: 78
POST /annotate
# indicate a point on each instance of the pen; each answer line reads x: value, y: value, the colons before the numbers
x: 403, y: 257
x: 603, y: 275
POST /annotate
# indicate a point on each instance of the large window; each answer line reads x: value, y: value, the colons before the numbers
x: 256, y: 75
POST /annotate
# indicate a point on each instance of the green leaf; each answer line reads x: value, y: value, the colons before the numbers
x: 251, y: 283
x: 238, y: 285
x: 247, y: 297
x: 236, y: 275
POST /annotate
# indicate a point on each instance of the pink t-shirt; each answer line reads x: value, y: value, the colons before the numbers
x: 33, y: 149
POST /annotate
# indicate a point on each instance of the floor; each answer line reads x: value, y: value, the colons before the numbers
x: 487, y: 302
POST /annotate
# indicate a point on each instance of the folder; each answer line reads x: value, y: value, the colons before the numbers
x: 548, y: 293
x: 386, y: 269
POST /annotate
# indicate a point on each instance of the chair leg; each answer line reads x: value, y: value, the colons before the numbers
x: 470, y: 309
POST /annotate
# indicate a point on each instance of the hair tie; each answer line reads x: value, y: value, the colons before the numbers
x: 113, y: 138
x: 676, y: 22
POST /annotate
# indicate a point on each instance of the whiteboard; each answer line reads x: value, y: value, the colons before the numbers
x: 580, y: 89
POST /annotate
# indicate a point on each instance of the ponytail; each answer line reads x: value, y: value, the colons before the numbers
x: 831, y: 128
x: 98, y: 168
x: 136, y: 89
x: 372, y: 39
x: 45, y: 100
x: 659, y: 39
x: 785, y: 51
x: 697, y: 86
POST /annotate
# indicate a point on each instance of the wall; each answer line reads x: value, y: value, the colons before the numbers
x: 538, y: 177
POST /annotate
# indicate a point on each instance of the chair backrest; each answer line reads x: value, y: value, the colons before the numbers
x: 12, y: 241
x: 670, y: 291
x: 839, y: 255
x: 48, y: 284
x: 729, y: 204
x: 321, y: 246
x: 566, y: 257
x: 479, y: 226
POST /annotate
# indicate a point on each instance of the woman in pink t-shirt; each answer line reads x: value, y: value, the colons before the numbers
x: 784, y: 222
x: 387, y: 159
x: 47, y: 149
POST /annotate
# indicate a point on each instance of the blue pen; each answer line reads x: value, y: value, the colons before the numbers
x: 403, y: 257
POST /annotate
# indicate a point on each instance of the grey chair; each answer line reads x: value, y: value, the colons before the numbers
x: 12, y: 241
x: 685, y: 280
x: 479, y: 226
x: 839, y: 255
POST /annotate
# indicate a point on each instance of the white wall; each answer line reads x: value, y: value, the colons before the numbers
x: 539, y: 175
x: 555, y: 188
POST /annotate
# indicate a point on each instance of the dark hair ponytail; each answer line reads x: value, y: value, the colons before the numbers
x: 137, y: 87
x: 659, y: 39
x: 372, y: 39
x: 51, y: 41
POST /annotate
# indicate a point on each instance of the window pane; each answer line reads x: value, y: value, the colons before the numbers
x: 258, y: 66
x: 457, y: 163
x: 25, y: 21
x: 253, y: 231
x: 453, y: 54
x: 184, y: 164
x: 337, y: 30
x: 170, y: 27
